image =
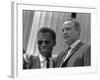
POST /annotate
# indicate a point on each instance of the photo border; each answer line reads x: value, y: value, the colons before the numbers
x: 16, y: 64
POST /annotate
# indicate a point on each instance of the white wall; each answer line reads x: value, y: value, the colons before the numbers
x: 5, y: 39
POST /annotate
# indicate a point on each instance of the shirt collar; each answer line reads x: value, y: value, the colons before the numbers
x: 75, y: 43
x: 42, y: 58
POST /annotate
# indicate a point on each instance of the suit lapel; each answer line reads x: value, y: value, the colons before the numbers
x: 74, y: 50
x: 59, y: 59
x: 36, y: 62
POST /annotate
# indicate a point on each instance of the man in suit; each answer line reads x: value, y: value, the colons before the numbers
x: 46, y: 40
x: 77, y: 53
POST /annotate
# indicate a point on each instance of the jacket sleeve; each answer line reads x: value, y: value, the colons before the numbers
x: 87, y: 56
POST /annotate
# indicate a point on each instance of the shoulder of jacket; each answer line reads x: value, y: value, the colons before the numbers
x: 34, y: 57
x: 86, y: 46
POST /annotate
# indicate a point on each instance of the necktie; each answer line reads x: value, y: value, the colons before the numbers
x: 47, y: 62
x: 65, y: 53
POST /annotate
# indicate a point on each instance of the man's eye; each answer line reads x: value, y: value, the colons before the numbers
x: 47, y: 42
x: 40, y: 42
x: 66, y: 29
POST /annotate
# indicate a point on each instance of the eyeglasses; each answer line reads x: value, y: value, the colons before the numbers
x: 40, y: 42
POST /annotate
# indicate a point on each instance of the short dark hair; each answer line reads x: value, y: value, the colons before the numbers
x: 48, y: 30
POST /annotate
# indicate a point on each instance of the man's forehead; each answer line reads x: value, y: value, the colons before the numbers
x: 44, y: 35
x: 68, y: 24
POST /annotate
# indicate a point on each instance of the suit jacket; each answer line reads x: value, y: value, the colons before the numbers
x: 34, y: 63
x: 79, y: 56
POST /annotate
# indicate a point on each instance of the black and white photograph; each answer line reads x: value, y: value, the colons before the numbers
x: 56, y: 39
x: 50, y: 39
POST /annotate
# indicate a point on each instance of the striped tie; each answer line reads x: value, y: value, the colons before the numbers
x: 65, y: 53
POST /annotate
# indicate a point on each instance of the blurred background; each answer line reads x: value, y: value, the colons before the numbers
x: 34, y: 20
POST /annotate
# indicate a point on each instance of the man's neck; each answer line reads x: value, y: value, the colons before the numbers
x: 74, y: 43
x: 42, y: 58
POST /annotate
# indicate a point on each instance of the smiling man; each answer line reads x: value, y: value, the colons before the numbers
x: 46, y: 40
x: 77, y: 53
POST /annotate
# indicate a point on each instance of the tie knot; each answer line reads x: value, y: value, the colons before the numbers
x: 69, y: 48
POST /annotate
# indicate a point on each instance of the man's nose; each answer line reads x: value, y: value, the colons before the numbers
x: 65, y: 31
x: 43, y: 44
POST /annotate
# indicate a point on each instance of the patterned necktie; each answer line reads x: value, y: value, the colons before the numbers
x: 65, y: 53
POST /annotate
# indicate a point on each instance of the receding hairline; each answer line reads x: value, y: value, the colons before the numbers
x: 69, y: 21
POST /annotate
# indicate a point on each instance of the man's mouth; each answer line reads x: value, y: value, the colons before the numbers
x: 44, y: 49
x: 66, y: 36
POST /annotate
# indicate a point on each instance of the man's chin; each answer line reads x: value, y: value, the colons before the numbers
x: 66, y: 41
x: 44, y: 51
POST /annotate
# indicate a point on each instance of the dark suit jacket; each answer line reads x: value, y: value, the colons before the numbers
x: 80, y: 56
x: 34, y: 63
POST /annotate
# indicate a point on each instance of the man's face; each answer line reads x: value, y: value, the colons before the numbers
x: 70, y: 34
x: 45, y: 44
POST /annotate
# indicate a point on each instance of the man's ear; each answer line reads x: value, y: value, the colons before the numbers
x: 54, y: 43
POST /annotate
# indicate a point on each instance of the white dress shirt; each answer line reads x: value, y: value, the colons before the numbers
x: 43, y: 62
